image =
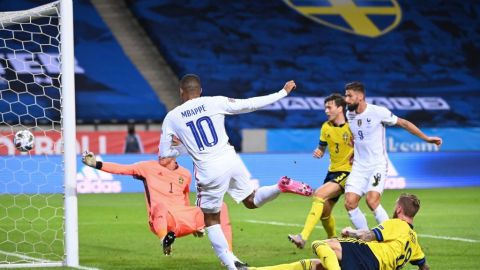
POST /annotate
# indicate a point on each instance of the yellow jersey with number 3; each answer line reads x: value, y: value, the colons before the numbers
x: 396, y: 244
x: 339, y: 141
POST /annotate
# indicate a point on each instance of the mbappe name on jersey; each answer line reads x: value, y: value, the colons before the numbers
x: 194, y: 111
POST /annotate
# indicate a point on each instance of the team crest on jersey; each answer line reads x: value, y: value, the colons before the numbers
x: 345, y: 137
x: 181, y: 180
x: 365, y: 18
x: 359, y: 122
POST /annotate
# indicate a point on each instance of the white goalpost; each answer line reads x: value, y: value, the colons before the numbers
x: 38, y: 200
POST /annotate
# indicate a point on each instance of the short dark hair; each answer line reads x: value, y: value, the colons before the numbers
x: 409, y: 203
x: 355, y: 86
x: 338, y: 99
x: 191, y: 83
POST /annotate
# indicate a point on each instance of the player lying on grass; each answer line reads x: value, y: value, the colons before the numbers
x: 167, y: 198
x: 389, y: 246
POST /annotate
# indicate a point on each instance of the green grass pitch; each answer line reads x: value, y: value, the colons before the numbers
x: 114, y: 233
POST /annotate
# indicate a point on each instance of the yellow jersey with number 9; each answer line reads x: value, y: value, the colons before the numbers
x: 396, y: 244
x: 339, y: 141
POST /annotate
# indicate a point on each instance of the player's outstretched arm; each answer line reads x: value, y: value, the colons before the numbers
x: 364, y: 235
x: 410, y: 127
x: 237, y: 106
x: 89, y: 159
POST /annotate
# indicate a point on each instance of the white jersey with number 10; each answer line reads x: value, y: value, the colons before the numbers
x: 199, y: 123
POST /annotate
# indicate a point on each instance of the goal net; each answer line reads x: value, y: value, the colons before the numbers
x: 38, y: 226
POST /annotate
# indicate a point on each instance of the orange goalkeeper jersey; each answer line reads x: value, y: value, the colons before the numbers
x: 162, y: 186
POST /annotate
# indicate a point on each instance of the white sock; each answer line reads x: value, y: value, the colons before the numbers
x: 358, y: 219
x: 220, y: 245
x: 235, y: 259
x: 265, y: 194
x: 380, y: 214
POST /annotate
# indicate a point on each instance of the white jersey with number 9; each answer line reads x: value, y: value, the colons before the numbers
x: 368, y: 129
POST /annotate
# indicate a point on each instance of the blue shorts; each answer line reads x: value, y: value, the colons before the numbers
x: 357, y: 256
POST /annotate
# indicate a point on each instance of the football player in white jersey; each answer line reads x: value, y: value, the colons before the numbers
x: 369, y: 171
x: 198, y: 125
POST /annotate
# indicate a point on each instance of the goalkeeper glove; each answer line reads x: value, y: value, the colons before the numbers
x: 89, y: 159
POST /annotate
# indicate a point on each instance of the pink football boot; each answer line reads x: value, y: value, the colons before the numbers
x: 289, y: 185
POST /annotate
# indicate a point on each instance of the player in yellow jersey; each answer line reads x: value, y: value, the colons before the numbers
x: 334, y: 134
x: 389, y: 246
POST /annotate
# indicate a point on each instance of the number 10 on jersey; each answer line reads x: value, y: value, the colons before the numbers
x: 199, y: 134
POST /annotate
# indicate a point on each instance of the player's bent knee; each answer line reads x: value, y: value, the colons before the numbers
x: 351, y: 201
x: 316, y: 246
x: 211, y: 218
x: 320, y: 195
x: 373, y: 201
x: 373, y: 205
x: 350, y: 205
x: 248, y: 202
x: 328, y: 191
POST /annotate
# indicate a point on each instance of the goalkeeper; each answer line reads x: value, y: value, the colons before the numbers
x: 167, y: 198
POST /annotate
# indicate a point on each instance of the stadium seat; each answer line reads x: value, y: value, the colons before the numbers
x: 248, y: 48
x: 109, y: 89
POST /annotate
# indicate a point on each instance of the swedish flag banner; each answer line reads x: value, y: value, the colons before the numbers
x: 361, y: 17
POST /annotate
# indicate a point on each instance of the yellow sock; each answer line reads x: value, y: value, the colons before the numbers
x: 313, y: 217
x: 326, y: 255
x: 329, y: 226
x: 300, y: 265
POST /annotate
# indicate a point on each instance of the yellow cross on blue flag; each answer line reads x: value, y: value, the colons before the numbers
x: 370, y: 18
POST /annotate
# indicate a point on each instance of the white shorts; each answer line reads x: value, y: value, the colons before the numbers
x: 362, y: 180
x: 236, y: 181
